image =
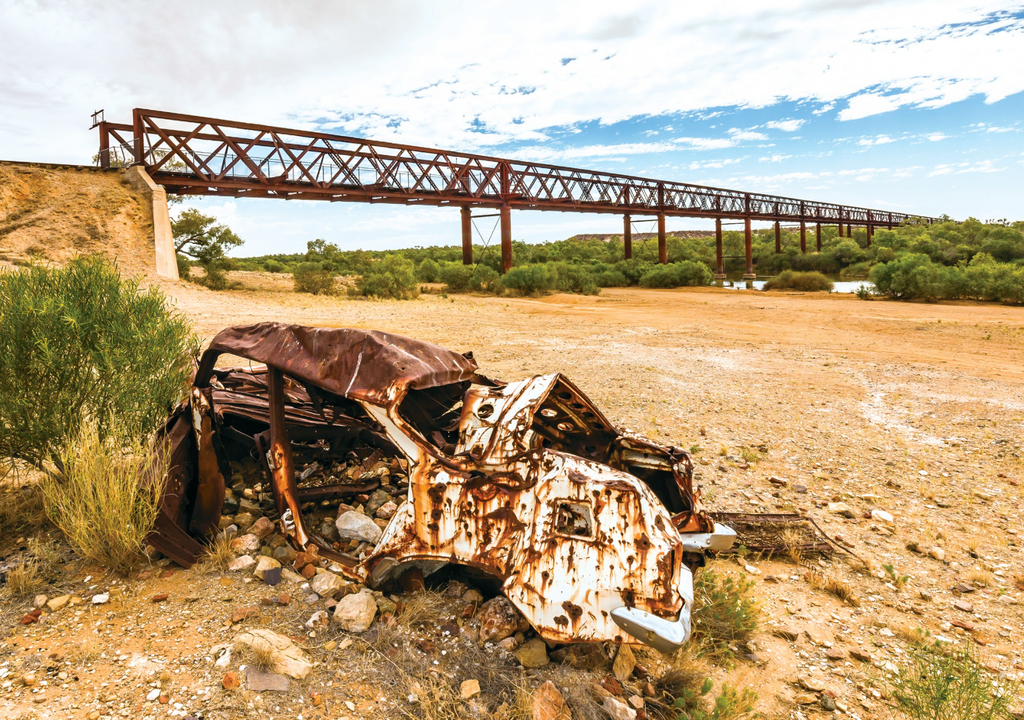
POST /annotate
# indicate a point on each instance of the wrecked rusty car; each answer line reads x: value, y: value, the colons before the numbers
x: 591, y: 532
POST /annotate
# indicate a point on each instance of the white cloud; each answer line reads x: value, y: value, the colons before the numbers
x: 791, y: 125
x: 877, y: 140
x: 714, y: 164
x: 979, y: 166
x: 777, y: 157
x: 741, y: 135
x: 937, y: 136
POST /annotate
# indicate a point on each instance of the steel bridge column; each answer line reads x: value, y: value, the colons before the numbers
x: 840, y: 227
x: 871, y: 231
x: 750, y: 274
x: 137, y: 132
x: 662, y: 244
x: 719, y: 260
x: 778, y: 237
x: 467, y: 235
x: 849, y: 230
x: 627, y: 237
x: 803, y: 237
x: 506, y: 238
x: 817, y: 235
x: 104, y: 145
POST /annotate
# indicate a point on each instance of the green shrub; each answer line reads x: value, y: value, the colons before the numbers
x: 528, y: 280
x: 948, y: 684
x: 855, y: 272
x: 678, y: 274
x: 393, y: 277
x: 184, y: 266
x: 863, y: 292
x: 82, y: 344
x: 572, y: 278
x: 728, y: 705
x: 725, y: 612
x: 428, y: 271
x: 459, y: 278
x: 215, y: 276
x: 908, y: 277
x: 805, y: 281
x: 611, y: 278
x: 314, y: 278
x: 108, y: 498
x: 633, y: 269
x: 274, y: 266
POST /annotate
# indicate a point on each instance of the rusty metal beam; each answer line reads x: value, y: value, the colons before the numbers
x: 803, y: 237
x: 467, y: 235
x: 196, y: 155
x: 506, y: 238
x: 748, y: 242
x: 627, y: 237
x: 817, y: 235
x: 662, y: 240
x: 719, y: 260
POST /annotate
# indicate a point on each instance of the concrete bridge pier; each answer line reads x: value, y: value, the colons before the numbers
x: 719, y: 260
x: 748, y: 241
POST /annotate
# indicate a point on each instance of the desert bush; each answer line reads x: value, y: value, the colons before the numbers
x: 107, y: 500
x: 725, y: 612
x: 79, y: 344
x: 677, y: 274
x: 857, y: 271
x: 215, y: 276
x: 273, y: 266
x: 184, y: 266
x: 729, y: 704
x: 313, y: 278
x: 428, y: 271
x: 610, y: 278
x: 805, y: 281
x: 459, y: 278
x: 573, y: 278
x: 528, y: 280
x: 909, y: 277
x: 393, y: 277
x: 949, y: 684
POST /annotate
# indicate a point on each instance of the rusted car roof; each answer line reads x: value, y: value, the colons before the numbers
x: 366, y: 365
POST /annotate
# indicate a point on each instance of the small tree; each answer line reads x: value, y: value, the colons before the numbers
x: 199, y: 237
x: 392, y: 277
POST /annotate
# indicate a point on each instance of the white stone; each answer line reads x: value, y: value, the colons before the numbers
x: 288, y: 658
x: 327, y: 584
x: 882, y: 516
x: 356, y: 526
x: 618, y: 710
x: 355, y: 613
x: 153, y: 694
x: 246, y: 544
x: 265, y: 563
x: 100, y: 599
x: 241, y: 563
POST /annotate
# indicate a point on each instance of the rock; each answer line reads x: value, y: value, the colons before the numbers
x: 617, y: 709
x: 243, y: 521
x: 225, y: 658
x: 469, y: 689
x: 800, y: 488
x: 636, y: 701
x: 964, y: 606
x: 455, y: 589
x: 963, y: 588
x: 787, y: 634
x: 247, y: 544
x: 262, y: 527
x: 272, y: 576
x: 288, y: 658
x: 263, y: 564
x: 882, y: 516
x: 498, y: 619
x: 611, y: 685
x: 509, y: 644
x: 230, y: 681
x: 937, y: 553
x: 925, y: 595
x: 378, y: 498
x: 327, y: 584
x: 241, y: 563
x: 473, y: 596
x: 284, y: 555
x: 835, y: 654
x: 585, y: 656
x: 805, y: 699
x: 101, y: 599
x: 827, y: 703
x: 533, y: 654
x: 842, y: 509
x: 387, y: 510
x: 355, y: 613
x: 624, y: 663
x: 159, y: 598
x: 28, y: 679
x: 55, y: 604
x: 39, y: 601
x: 318, y: 620
x: 777, y: 481
x: 292, y: 577
x: 153, y: 695
x: 259, y: 681
x: 812, y: 683
x: 548, y: 703
x: 356, y: 526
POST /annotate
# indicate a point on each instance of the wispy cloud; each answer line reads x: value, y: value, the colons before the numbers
x: 791, y: 125
x: 877, y: 140
x: 979, y: 166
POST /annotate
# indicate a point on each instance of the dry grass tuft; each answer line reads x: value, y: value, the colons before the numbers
x: 981, y: 578
x: 793, y: 540
x: 834, y: 585
x: 912, y: 635
x: 426, y: 607
x: 218, y: 554
x: 21, y: 509
x: 23, y: 580
x: 686, y: 672
x: 1018, y: 581
x: 262, y: 656
x: 108, y: 500
x: 84, y: 651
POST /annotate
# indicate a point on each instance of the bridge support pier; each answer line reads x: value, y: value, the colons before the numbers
x: 817, y: 235
x: 506, y: 238
x: 467, y: 235
x: 719, y: 260
x: 840, y: 228
x: 871, y: 232
x: 849, y: 230
x: 662, y: 243
x: 627, y: 237
x: 803, y: 237
x: 748, y: 241
x: 778, y: 238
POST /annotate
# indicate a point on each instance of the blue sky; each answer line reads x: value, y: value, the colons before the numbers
x: 904, y: 105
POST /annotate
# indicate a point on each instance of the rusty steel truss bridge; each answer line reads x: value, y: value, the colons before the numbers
x: 192, y: 155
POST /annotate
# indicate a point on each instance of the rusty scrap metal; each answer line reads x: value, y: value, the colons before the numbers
x: 778, y: 532
x: 593, y: 533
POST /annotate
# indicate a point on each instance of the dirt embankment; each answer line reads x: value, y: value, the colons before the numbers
x: 52, y: 213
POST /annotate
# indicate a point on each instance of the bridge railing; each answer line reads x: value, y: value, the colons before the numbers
x: 198, y: 155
